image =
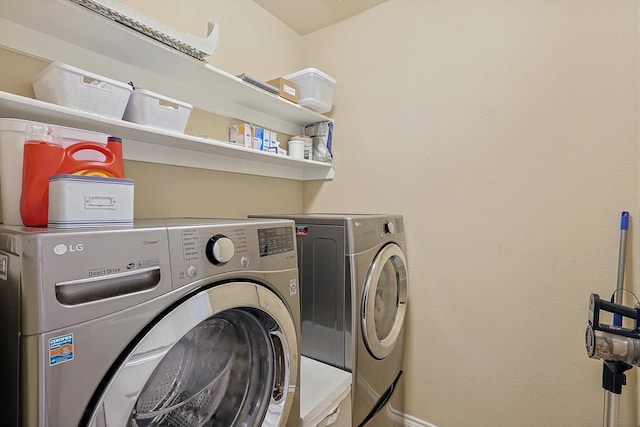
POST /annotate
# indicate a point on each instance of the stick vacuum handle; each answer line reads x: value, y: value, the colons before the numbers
x: 624, y: 221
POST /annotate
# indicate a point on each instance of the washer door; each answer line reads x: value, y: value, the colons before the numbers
x: 384, y: 299
x: 223, y: 357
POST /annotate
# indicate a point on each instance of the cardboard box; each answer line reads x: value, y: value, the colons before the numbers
x: 288, y: 89
x: 241, y: 134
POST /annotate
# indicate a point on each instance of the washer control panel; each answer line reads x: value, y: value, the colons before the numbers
x: 207, y: 251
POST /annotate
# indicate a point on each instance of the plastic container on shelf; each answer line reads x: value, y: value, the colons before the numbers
x: 158, y: 111
x: 315, y: 89
x: 89, y: 201
x: 72, y: 87
x: 13, y: 135
x: 307, y: 146
x: 296, y: 149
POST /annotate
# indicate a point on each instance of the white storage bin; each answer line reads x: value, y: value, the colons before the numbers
x: 90, y: 201
x: 315, y: 87
x: 72, y: 87
x: 325, y: 395
x: 158, y: 111
x: 12, y: 139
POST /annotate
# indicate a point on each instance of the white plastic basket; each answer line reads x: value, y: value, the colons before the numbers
x: 72, y: 87
x: 154, y: 110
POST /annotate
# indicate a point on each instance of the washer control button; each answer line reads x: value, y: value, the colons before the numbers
x: 220, y: 249
x: 244, y: 261
x: 389, y: 227
x: 192, y: 271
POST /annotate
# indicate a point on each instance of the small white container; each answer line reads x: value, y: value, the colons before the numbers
x: 158, y: 111
x: 315, y: 89
x: 90, y: 201
x: 13, y: 133
x: 296, y: 149
x: 72, y: 87
x: 308, y: 145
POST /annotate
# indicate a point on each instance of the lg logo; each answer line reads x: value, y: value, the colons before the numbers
x: 62, y: 249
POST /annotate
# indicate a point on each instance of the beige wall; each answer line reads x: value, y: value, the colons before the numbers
x: 505, y: 132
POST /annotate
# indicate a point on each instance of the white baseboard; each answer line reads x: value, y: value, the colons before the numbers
x: 407, y: 420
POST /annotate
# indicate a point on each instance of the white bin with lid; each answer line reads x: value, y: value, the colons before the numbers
x: 315, y: 89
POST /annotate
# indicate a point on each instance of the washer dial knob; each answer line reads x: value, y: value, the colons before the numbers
x: 220, y: 249
x: 389, y: 227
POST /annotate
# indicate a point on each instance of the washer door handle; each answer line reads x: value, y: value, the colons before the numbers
x: 81, y: 291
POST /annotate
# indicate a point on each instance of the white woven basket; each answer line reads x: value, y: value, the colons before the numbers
x: 72, y: 87
x: 154, y: 110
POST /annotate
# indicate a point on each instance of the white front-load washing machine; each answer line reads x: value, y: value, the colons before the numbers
x: 175, y: 322
x: 354, y: 293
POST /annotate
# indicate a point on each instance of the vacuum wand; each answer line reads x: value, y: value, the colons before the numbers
x: 619, y: 348
x: 622, y: 252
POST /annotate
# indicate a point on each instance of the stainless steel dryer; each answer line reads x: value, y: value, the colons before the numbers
x: 181, y: 322
x: 353, y: 290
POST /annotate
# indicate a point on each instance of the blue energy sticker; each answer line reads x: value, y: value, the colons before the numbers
x: 60, y: 349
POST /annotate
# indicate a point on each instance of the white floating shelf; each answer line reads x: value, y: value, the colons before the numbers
x: 62, y: 31
x: 59, y: 30
x: 147, y: 144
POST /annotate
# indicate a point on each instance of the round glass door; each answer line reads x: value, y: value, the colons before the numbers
x: 384, y: 301
x: 224, y: 357
x: 192, y: 384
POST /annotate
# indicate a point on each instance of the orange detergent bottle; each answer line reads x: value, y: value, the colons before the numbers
x: 44, y: 158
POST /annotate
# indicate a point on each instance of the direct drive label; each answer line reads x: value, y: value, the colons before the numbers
x: 60, y: 349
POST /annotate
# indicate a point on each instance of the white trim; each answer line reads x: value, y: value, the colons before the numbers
x: 407, y: 420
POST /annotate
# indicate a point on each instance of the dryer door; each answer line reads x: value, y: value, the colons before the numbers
x: 222, y: 357
x: 384, y: 299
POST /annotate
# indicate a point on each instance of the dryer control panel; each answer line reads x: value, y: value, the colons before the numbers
x: 276, y: 240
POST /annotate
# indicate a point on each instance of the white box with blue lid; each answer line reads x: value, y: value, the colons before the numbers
x: 315, y: 89
x: 77, y: 201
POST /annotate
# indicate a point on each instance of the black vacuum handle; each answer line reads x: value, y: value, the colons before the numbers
x: 596, y: 304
